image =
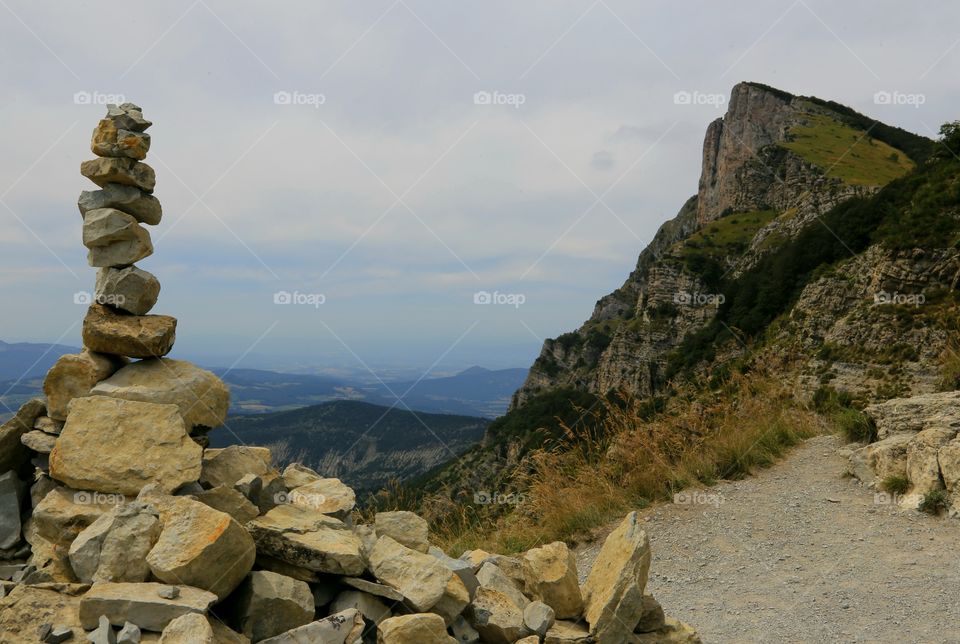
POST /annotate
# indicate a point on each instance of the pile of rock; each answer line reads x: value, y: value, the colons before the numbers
x: 917, y: 442
x: 137, y: 531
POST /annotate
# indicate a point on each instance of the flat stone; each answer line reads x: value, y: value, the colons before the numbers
x: 340, y: 628
x: 127, y: 172
x: 308, y: 539
x: 144, y: 207
x: 193, y: 628
x: 129, y: 289
x: 134, y: 336
x: 110, y: 141
x: 297, y: 474
x: 202, y: 547
x: 372, y: 588
x: 404, y: 527
x: 267, y: 604
x: 38, y: 441
x: 114, y: 547
x: 140, y: 604
x: 372, y: 609
x: 114, y: 238
x: 228, y: 500
x: 49, y: 425
x: 73, y: 376
x: 329, y: 496
x: 148, y: 444
x: 203, y: 399
x: 555, y: 579
x: 14, y: 455
x: 13, y: 491
x: 420, y: 628
x: 228, y: 465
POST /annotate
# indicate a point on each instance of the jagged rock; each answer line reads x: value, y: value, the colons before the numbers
x: 48, y: 425
x: 372, y: 609
x: 652, y: 617
x: 73, y: 376
x: 12, y: 493
x: 114, y: 547
x: 372, y: 588
x: 64, y: 513
x: 127, y: 172
x: 249, y: 485
x: 26, y: 608
x: 148, y: 444
x: 110, y: 141
x: 129, y: 289
x: 461, y: 568
x: 140, y: 604
x: 228, y: 500
x: 329, y: 496
x: 517, y: 569
x: 56, y: 634
x: 144, y: 207
x: 297, y: 474
x: 426, y: 584
x: 420, y: 628
x: 404, y: 527
x: 13, y: 453
x: 915, y: 413
x: 923, y: 466
x: 496, y: 617
x: 613, y: 592
x: 556, y: 582
x: 202, y: 547
x: 192, y: 628
x: 129, y: 634
x: 38, y: 441
x: 462, y: 632
x: 339, y: 628
x: 538, y: 617
x: 114, y: 238
x: 267, y: 604
x: 103, y: 633
x: 228, y: 465
x: 203, y: 399
x: 133, y: 336
x: 128, y: 116
x: 565, y: 632
x: 490, y: 576
x: 309, y: 539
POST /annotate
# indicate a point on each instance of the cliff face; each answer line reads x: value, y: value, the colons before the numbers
x: 772, y: 165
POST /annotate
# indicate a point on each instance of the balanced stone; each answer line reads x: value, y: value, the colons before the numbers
x: 129, y: 289
x: 144, y: 207
x: 134, y: 336
x: 73, y: 376
x: 128, y: 116
x: 110, y: 141
x: 114, y: 238
x: 128, y: 172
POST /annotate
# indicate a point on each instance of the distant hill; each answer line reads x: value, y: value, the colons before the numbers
x: 29, y: 360
x: 365, y: 445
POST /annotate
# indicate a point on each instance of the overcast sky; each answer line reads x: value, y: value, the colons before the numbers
x: 379, y: 179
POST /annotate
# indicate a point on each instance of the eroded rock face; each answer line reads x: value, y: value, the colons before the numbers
x: 133, y: 336
x: 916, y: 413
x: 420, y: 628
x: 144, y: 207
x: 74, y: 375
x: 203, y: 399
x: 148, y: 444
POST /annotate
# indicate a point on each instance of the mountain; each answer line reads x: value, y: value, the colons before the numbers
x: 365, y: 445
x: 475, y: 391
x: 28, y: 360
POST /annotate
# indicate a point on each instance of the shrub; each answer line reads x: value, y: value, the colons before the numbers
x: 896, y: 484
x: 934, y: 502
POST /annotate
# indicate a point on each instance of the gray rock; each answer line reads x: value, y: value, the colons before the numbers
x: 115, y: 546
x: 168, y: 592
x: 229, y: 500
x: 127, y: 172
x: 339, y: 628
x: 57, y: 634
x: 129, y: 634
x: 103, y: 634
x: 267, y: 604
x: 144, y: 207
x: 14, y: 454
x: 373, y: 588
x: 140, y: 604
x: 12, y: 493
x: 462, y: 569
x: 114, y: 238
x: 40, y: 442
x: 128, y: 116
x: 372, y: 609
x: 538, y: 617
x: 129, y: 289
x: 463, y: 632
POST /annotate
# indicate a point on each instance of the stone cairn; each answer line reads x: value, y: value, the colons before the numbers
x: 118, y: 524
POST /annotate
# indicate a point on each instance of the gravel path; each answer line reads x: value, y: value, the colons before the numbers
x: 800, y: 554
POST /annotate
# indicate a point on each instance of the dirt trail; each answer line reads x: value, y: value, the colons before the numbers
x: 800, y: 554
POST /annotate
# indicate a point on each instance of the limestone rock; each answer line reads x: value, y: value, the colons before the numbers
x: 140, y: 604
x: 12, y: 493
x: 517, y: 569
x: 404, y: 527
x: 923, y: 466
x: 372, y: 609
x: 127, y: 172
x: 129, y: 634
x: 26, y: 608
x: 203, y: 399
x: 329, y: 496
x: 340, y: 628
x: 14, y: 455
x: 110, y: 141
x: 192, y: 628
x: 114, y: 547
x: 565, y: 632
x: 490, y: 576
x: 915, y: 413
x: 309, y: 539
x: 148, y: 444
x: 38, y: 441
x: 103, y: 633
x: 297, y: 474
x: 73, y: 376
x: 228, y: 500
x: 461, y: 568
x: 228, y: 465
x: 49, y: 425
x: 538, y: 617
x: 948, y: 459
x: 129, y: 289
x: 114, y: 238
x: 496, y: 617
x: 134, y: 336
x: 613, y: 592
x: 420, y: 628
x: 144, y: 207
x: 128, y: 116
x: 64, y: 513
x: 202, y: 547
x: 267, y: 604
x: 555, y: 571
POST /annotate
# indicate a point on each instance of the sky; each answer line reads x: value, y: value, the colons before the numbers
x: 403, y: 184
